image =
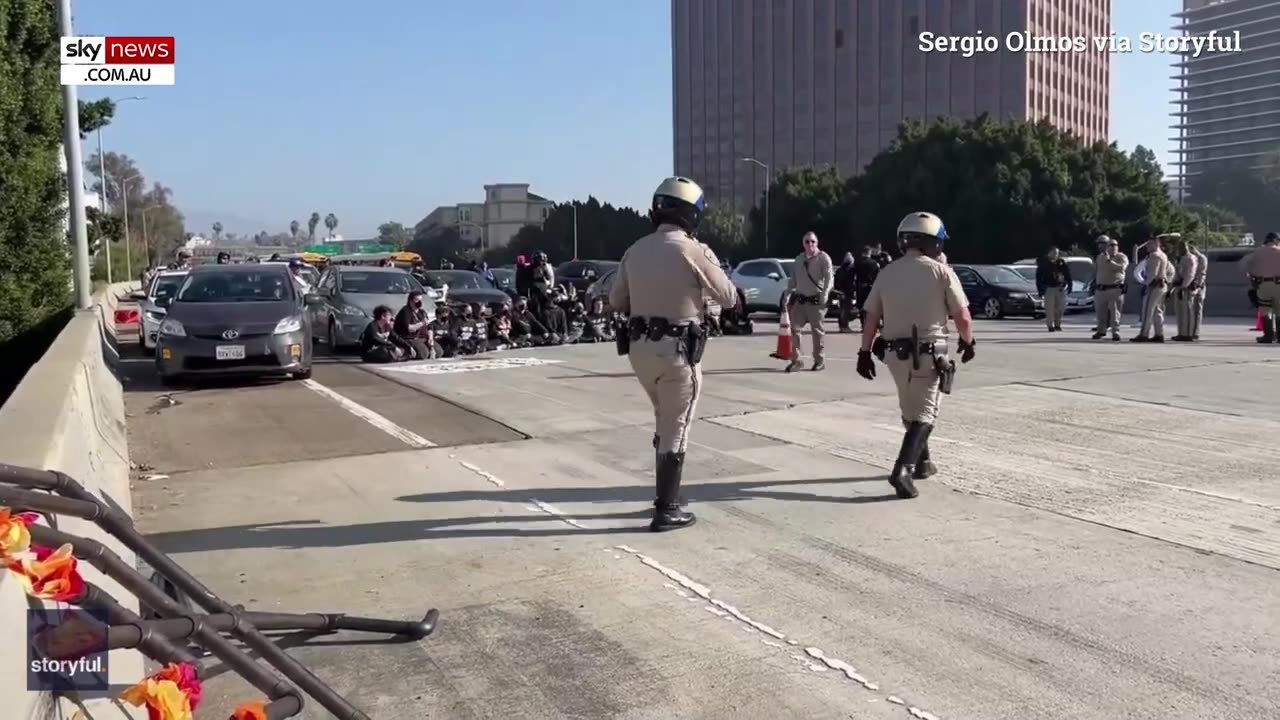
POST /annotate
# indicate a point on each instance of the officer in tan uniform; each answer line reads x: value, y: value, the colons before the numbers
x: 1263, y: 267
x: 915, y: 296
x: 1158, y: 273
x: 809, y: 290
x: 1188, y: 267
x: 1198, y: 290
x: 1108, y: 288
x: 663, y: 283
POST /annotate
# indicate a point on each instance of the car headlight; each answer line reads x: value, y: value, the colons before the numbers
x: 289, y: 324
x: 352, y: 310
x: 1018, y: 296
x: 172, y: 328
x: 155, y: 316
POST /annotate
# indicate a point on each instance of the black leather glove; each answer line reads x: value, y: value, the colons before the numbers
x: 966, y: 350
x: 866, y: 366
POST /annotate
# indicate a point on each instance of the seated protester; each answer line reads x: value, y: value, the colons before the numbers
x: 500, y: 330
x: 599, y: 324
x: 556, y: 320
x: 463, y: 328
x: 479, y: 328
x: 442, y: 332
x: 527, y: 329
x: 412, y: 325
x: 577, y: 320
x: 379, y: 342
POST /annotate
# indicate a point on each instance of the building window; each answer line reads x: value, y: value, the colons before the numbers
x: 546, y: 213
x: 464, y: 215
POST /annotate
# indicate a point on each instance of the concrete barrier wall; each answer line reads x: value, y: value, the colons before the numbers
x: 68, y: 415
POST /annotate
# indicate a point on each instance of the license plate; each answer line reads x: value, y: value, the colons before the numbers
x: 229, y: 352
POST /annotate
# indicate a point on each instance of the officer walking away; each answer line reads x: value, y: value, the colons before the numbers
x: 1108, y: 288
x: 661, y: 284
x: 1198, y: 290
x: 809, y: 291
x: 1053, y: 279
x: 1184, y: 291
x: 915, y: 297
x: 846, y: 286
x: 1159, y: 273
x: 1263, y: 267
x: 865, y: 270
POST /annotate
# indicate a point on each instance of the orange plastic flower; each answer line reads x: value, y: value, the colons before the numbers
x: 49, y: 574
x: 249, y: 711
x: 163, y: 699
x: 184, y: 676
x: 14, y: 536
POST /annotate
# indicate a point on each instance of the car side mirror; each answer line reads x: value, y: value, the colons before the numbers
x: 314, y: 299
x: 774, y: 276
x: 164, y: 301
x: 138, y: 295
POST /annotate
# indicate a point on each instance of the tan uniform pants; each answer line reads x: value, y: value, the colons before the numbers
x: 810, y: 314
x: 672, y: 386
x: 1153, y: 312
x: 1055, y: 305
x: 918, y: 393
x: 1182, y: 311
x: 1196, y: 306
x: 1269, y: 298
x: 1107, y: 305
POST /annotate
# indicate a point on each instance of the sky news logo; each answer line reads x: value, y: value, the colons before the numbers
x: 117, y: 60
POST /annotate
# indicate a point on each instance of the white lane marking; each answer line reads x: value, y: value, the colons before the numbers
x: 428, y: 367
x: 702, y: 594
x: 405, y: 436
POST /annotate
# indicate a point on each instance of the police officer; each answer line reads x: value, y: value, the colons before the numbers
x: 1184, y: 284
x: 865, y: 270
x: 1263, y: 267
x: 1198, y: 289
x: 1108, y: 288
x: 915, y: 296
x: 1159, y: 273
x: 808, y: 293
x: 661, y: 283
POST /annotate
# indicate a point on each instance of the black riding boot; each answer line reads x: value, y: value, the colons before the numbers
x: 924, y: 464
x: 667, y: 513
x: 904, y: 468
x: 1268, y: 329
x: 657, y: 460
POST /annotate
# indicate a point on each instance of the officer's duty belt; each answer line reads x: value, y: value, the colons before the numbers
x: 902, y: 347
x: 1269, y: 279
x: 1108, y: 287
x: 805, y: 299
x: 657, y: 328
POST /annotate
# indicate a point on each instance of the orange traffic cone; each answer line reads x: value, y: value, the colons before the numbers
x: 783, y: 351
x: 1257, y: 327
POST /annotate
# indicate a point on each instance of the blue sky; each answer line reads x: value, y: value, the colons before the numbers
x: 383, y: 110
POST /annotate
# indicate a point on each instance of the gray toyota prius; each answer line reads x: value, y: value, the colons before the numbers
x: 236, y: 320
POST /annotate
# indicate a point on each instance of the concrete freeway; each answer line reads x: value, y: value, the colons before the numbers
x: 1103, y: 540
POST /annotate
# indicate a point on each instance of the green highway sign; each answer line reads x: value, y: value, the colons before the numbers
x: 376, y: 248
x: 329, y: 249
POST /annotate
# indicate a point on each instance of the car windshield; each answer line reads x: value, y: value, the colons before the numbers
x: 787, y: 267
x: 1000, y: 276
x: 1027, y: 272
x: 228, y: 287
x: 504, y: 277
x: 309, y: 275
x: 377, y: 283
x: 456, y: 279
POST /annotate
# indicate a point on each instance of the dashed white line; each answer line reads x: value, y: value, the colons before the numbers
x: 488, y: 476
x: 408, y: 437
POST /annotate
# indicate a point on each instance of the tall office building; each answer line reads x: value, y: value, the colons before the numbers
x: 1228, y: 111
x: 796, y: 83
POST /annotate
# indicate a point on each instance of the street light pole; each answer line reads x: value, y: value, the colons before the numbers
x: 768, y: 182
x: 575, y: 230
x: 75, y: 175
x: 102, y: 201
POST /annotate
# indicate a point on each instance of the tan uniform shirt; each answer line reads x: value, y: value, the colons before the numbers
x: 1202, y: 270
x: 1264, y: 262
x: 1109, y: 270
x: 668, y: 274
x: 916, y: 290
x: 1187, y: 268
x: 1158, y: 267
x: 812, y: 276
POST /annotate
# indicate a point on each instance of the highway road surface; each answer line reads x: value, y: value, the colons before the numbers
x: 1103, y: 540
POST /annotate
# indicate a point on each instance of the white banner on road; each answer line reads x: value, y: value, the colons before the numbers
x: 461, y: 366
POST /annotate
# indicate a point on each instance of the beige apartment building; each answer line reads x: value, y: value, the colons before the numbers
x: 507, y: 207
x: 794, y: 83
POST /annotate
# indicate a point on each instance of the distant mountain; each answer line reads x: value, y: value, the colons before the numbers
x: 201, y: 222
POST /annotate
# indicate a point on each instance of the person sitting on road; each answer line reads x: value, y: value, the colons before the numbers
x: 577, y: 322
x: 379, y: 343
x: 413, y: 325
x: 442, y: 332
x: 599, y: 325
x: 527, y: 328
x: 480, y: 328
x: 463, y: 328
x: 500, y: 330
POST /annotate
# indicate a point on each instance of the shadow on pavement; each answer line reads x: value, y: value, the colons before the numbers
x: 311, y: 533
x: 211, y: 668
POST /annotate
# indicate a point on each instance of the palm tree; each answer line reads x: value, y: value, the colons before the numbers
x: 294, y: 226
x: 217, y: 230
x: 331, y: 222
x: 312, y: 222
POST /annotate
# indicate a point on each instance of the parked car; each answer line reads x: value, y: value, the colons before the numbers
x: 995, y: 291
x: 466, y: 287
x: 600, y: 289
x: 763, y: 281
x: 581, y: 273
x: 349, y: 294
x: 1080, y: 296
x: 504, y: 279
x: 235, y: 320
x: 153, y: 303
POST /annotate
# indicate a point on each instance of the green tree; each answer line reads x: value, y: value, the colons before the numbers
x: 1252, y: 194
x: 393, y: 233
x: 724, y: 230
x: 95, y: 114
x: 436, y: 243
x: 217, y: 230
x: 804, y: 200
x: 312, y: 222
x: 331, y: 223
x: 34, y: 258
x: 294, y: 227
